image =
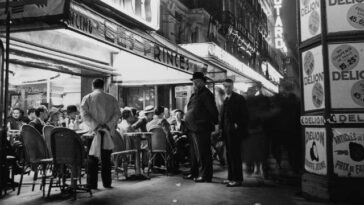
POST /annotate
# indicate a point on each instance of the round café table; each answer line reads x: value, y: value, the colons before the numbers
x: 138, y: 137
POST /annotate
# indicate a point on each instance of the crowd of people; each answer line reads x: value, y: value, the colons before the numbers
x: 240, y: 132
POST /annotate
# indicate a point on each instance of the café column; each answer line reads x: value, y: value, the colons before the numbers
x: 331, y: 53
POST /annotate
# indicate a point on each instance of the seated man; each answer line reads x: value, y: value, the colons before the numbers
x: 160, y: 122
x: 144, y: 118
x: 41, y: 116
x: 180, y: 136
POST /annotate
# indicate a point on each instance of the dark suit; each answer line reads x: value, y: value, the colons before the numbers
x: 234, y: 121
x: 201, y: 118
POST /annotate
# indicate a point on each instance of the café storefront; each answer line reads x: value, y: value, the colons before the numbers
x: 59, y: 47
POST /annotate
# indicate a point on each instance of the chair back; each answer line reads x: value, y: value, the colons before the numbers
x: 47, y: 137
x: 66, y: 146
x: 35, y: 147
x: 32, y: 124
x: 119, y: 144
x: 158, y: 140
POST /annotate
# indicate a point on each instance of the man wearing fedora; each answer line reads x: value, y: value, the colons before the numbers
x: 201, y: 118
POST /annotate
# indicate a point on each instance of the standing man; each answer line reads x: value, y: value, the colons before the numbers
x: 100, y: 111
x: 201, y: 118
x: 234, y: 121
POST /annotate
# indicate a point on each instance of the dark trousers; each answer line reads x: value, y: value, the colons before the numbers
x: 92, y: 169
x: 233, y: 152
x: 201, y: 156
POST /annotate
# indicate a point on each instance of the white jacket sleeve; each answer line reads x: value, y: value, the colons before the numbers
x: 86, y: 115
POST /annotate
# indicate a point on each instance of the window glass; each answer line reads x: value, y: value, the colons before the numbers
x: 32, y: 87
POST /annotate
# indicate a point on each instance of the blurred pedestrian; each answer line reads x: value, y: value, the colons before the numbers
x: 201, y: 118
x: 234, y: 124
x: 100, y: 111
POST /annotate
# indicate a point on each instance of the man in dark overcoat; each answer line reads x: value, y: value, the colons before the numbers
x: 201, y: 118
x: 233, y: 124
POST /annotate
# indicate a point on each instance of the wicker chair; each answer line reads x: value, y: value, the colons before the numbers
x: 68, y: 151
x: 47, y: 136
x: 124, y: 147
x: 158, y: 146
x: 35, y: 155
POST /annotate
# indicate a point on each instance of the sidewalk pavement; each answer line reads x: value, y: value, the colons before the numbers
x: 170, y: 190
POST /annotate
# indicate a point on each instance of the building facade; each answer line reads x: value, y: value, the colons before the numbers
x: 242, y: 29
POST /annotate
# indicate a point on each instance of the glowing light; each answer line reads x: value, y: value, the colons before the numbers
x: 278, y: 30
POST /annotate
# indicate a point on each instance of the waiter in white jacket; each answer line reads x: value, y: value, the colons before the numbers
x: 100, y: 111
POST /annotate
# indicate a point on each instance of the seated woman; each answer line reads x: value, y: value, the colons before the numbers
x: 15, y: 122
x: 73, y: 119
x: 126, y: 119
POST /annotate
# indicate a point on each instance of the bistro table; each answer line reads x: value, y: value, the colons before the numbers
x: 138, y: 137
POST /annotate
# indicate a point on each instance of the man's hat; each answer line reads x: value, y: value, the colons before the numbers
x: 198, y: 75
x: 149, y: 109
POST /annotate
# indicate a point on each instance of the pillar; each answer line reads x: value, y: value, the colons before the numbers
x: 331, y: 55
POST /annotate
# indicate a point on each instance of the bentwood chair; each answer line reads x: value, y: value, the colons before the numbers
x: 158, y: 146
x: 123, y: 149
x: 68, y: 151
x: 35, y: 155
x: 47, y: 137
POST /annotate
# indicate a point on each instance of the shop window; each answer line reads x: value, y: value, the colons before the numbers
x: 137, y: 97
x: 32, y: 87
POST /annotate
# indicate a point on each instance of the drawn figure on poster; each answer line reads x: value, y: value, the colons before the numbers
x: 314, y: 152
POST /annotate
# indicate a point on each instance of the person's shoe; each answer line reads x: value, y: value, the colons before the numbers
x: 188, y: 177
x: 201, y: 180
x: 91, y: 186
x: 226, y: 181
x: 108, y: 187
x: 234, y: 184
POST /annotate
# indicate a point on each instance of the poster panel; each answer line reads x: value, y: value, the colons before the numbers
x: 346, y: 62
x: 313, y: 79
x: 345, y: 15
x: 310, y: 15
x: 23, y: 9
x: 348, y: 152
x: 315, y: 151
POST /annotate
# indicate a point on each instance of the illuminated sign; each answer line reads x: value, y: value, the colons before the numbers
x: 144, y: 11
x: 278, y: 30
x: 93, y: 24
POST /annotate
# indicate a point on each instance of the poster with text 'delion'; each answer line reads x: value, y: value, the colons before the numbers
x: 313, y: 79
x: 345, y: 15
x: 315, y: 151
x: 348, y: 152
x: 310, y: 15
x: 347, y: 75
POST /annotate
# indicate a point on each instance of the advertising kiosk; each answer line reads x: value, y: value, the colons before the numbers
x: 331, y: 52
